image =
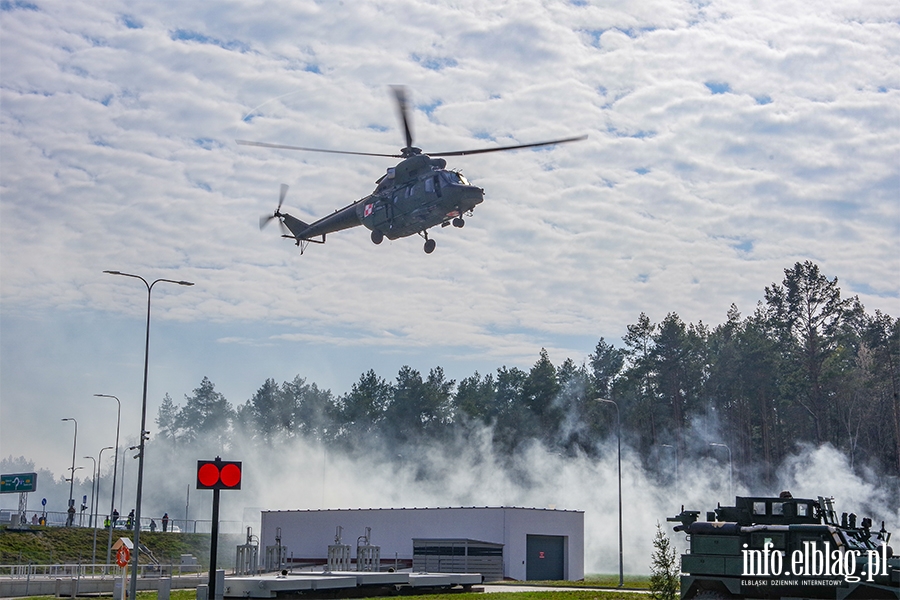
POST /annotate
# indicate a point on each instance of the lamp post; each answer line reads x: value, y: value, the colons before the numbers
x: 96, y: 515
x: 122, y: 483
x: 730, y: 467
x: 93, y: 485
x: 140, y: 480
x: 72, y: 480
x: 619, y: 444
x: 112, y: 501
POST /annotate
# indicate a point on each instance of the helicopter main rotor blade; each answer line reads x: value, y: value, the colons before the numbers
x: 504, y: 148
x: 403, y: 109
x: 285, y: 147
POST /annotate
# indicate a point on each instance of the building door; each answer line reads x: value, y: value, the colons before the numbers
x: 545, y: 557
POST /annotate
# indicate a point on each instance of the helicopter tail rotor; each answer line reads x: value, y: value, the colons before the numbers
x: 265, y: 219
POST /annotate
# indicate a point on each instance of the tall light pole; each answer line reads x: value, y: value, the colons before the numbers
x: 96, y: 515
x: 112, y: 501
x: 72, y: 480
x: 730, y: 467
x: 619, y: 444
x: 122, y: 483
x: 93, y: 485
x: 143, y: 438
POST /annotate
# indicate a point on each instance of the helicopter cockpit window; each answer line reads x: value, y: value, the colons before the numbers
x: 451, y: 177
x: 429, y: 185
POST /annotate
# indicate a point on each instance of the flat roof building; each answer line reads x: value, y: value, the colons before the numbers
x: 499, y: 542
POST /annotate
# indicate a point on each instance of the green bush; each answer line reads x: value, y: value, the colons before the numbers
x: 664, y: 568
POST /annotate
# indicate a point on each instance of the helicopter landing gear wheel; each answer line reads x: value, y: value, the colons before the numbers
x: 429, y: 246
x: 377, y: 237
x: 459, y: 222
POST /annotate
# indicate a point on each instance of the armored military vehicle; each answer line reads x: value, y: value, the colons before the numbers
x: 785, y: 547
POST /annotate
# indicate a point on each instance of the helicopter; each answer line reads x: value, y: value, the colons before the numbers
x: 410, y: 198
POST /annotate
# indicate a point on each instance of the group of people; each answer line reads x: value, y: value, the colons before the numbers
x: 129, y: 521
x: 109, y: 521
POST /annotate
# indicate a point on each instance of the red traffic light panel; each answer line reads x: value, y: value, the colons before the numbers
x: 218, y: 474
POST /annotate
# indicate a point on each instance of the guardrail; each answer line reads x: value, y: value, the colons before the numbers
x: 58, y: 519
x: 98, y: 570
x: 71, y: 580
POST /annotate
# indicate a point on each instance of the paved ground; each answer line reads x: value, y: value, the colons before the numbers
x: 488, y: 588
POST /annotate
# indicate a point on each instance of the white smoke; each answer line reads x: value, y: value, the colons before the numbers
x: 300, y: 474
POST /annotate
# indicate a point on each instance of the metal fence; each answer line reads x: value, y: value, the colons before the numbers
x: 58, y: 519
x: 71, y: 580
x: 94, y: 571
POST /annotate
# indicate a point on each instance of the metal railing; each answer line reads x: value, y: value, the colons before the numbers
x: 58, y: 519
x: 92, y: 571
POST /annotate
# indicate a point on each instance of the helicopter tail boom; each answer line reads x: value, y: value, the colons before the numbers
x: 295, y: 225
x: 344, y: 218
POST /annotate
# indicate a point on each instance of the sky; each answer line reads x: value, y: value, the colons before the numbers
x: 727, y: 140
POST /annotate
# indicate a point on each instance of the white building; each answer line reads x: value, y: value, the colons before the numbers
x: 518, y: 543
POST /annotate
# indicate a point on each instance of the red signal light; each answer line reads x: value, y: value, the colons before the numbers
x: 218, y: 475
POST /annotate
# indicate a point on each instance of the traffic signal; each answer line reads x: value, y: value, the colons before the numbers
x: 218, y: 474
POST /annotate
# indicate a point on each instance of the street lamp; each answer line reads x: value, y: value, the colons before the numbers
x: 140, y: 480
x: 122, y: 483
x: 72, y: 480
x: 730, y: 467
x: 96, y: 515
x: 93, y: 484
x: 112, y: 501
x: 619, y: 444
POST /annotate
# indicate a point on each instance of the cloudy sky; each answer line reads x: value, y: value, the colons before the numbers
x: 727, y: 140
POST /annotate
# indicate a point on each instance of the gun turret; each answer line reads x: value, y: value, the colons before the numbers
x: 686, y: 517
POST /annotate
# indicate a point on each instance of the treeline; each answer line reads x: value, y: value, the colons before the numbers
x: 807, y: 366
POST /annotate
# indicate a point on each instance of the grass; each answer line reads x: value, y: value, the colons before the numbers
x: 48, y: 545
x: 639, y: 582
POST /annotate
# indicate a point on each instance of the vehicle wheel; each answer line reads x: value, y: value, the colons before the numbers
x: 459, y: 222
x: 429, y: 246
x: 377, y: 236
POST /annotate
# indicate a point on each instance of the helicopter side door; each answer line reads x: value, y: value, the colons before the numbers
x: 378, y: 213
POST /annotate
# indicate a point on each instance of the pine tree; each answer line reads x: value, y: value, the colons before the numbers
x: 664, y: 568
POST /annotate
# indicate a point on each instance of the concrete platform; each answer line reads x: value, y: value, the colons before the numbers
x: 426, y: 580
x: 378, y: 578
x: 270, y: 585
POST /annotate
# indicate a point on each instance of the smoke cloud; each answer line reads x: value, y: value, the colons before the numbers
x: 300, y: 474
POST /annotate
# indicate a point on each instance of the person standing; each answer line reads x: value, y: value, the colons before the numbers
x: 165, y: 521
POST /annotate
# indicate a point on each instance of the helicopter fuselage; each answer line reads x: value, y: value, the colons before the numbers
x: 417, y: 194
